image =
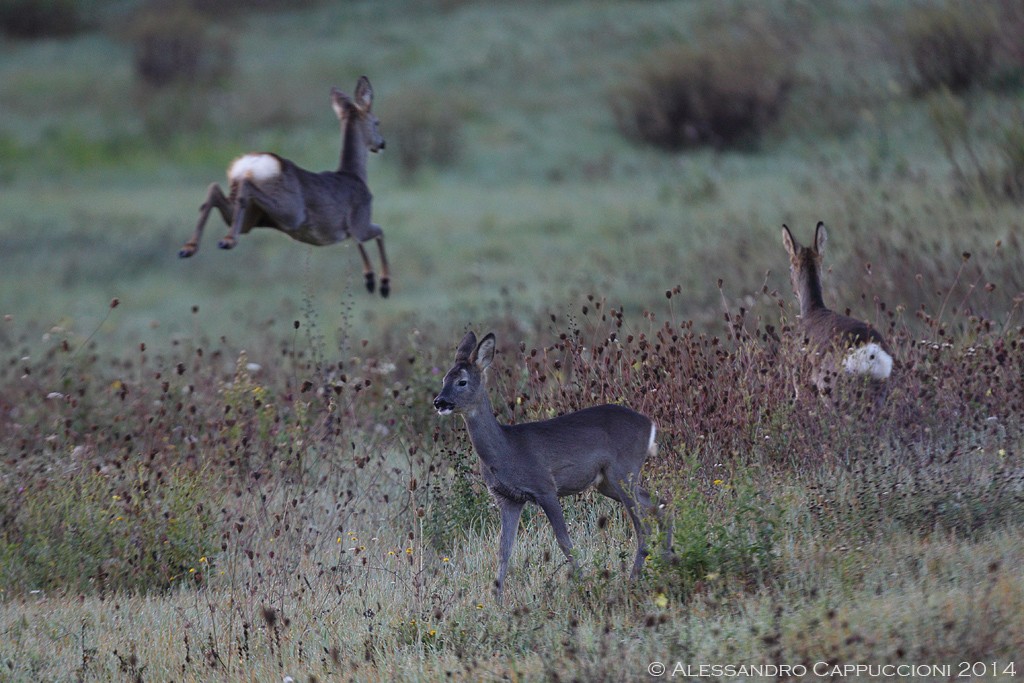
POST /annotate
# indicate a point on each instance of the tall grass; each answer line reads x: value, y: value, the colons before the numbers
x: 317, y: 497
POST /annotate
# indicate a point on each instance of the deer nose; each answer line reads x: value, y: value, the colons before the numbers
x: 442, y: 404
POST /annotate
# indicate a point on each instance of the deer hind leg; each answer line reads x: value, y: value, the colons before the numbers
x: 664, y: 522
x: 385, y: 273
x: 251, y: 206
x: 553, y: 509
x: 368, y: 276
x: 215, y: 199
x: 630, y: 499
x: 510, y: 513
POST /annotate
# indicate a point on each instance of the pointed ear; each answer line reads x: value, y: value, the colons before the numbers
x: 787, y: 238
x: 820, y: 237
x: 484, y: 352
x: 466, y: 347
x: 364, y: 93
x: 340, y: 101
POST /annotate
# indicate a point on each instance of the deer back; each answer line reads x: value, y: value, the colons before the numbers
x: 572, y: 450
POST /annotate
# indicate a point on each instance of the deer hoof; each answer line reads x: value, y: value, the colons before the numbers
x: 226, y: 243
x: 385, y: 287
x: 370, y: 283
x: 187, y: 251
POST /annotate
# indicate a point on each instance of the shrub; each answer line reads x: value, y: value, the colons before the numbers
x: 949, y: 47
x: 424, y: 129
x: 177, y: 59
x: 723, y: 92
x: 459, y: 502
x: 90, y: 532
x: 1009, y: 52
x: 723, y: 538
x: 172, y: 44
x: 40, y: 18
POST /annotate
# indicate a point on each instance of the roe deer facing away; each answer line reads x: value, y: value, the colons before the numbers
x: 603, y: 446
x: 839, y: 345
x: 268, y: 191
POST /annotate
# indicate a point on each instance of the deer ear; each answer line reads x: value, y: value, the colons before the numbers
x: 787, y: 238
x: 484, y: 352
x: 364, y: 93
x: 820, y: 237
x: 466, y: 347
x: 339, y: 101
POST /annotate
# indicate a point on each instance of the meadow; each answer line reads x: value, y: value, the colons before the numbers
x: 229, y: 467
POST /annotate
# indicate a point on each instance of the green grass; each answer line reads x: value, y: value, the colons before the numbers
x: 303, y: 546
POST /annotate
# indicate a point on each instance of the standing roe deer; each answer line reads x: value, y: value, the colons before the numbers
x: 269, y: 191
x: 539, y: 462
x: 835, y: 341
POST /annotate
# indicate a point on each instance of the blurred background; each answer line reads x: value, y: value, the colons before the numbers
x: 536, y: 155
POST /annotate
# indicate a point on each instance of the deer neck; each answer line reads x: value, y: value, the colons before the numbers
x: 809, y: 292
x: 484, y: 431
x: 353, y: 150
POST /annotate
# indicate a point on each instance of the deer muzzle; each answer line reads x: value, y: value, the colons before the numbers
x: 443, y: 406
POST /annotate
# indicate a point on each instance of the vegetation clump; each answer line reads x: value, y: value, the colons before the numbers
x: 28, y: 19
x: 174, y: 44
x: 724, y: 91
x: 426, y: 131
x: 950, y: 46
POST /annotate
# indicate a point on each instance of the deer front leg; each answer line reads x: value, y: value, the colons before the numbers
x: 385, y: 274
x: 510, y: 513
x: 215, y: 199
x: 553, y: 509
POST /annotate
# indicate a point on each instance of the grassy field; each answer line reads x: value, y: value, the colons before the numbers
x: 229, y: 468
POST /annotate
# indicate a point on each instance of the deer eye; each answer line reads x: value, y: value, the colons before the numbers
x: 463, y: 382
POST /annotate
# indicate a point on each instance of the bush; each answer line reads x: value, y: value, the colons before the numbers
x: 140, y: 530
x: 40, y: 18
x: 1010, y: 48
x: 424, y: 128
x: 177, y: 60
x: 172, y: 44
x: 950, y: 47
x: 459, y: 502
x: 724, y: 92
x: 727, y: 538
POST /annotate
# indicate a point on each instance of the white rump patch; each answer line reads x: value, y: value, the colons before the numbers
x: 870, y: 360
x: 254, y: 167
x: 652, y: 447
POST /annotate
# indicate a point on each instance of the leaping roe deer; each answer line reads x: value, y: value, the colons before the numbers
x: 269, y: 191
x: 540, y: 462
x: 838, y: 345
